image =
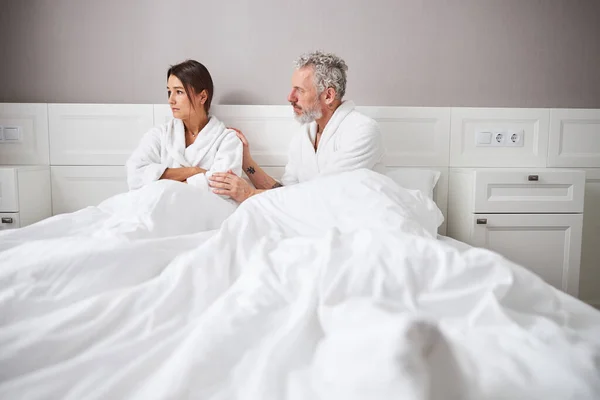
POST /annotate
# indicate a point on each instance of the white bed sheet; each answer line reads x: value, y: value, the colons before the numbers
x: 457, y: 244
x: 336, y: 288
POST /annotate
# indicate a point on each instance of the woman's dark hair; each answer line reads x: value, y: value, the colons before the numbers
x: 195, y: 78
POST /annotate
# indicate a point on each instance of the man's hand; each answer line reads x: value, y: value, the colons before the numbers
x: 229, y: 184
x: 247, y: 158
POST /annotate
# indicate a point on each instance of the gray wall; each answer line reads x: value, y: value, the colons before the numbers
x: 504, y: 53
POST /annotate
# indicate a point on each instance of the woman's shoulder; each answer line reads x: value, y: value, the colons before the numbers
x: 171, y: 125
x: 165, y: 128
x: 222, y: 129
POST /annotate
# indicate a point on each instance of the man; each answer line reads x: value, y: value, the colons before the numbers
x: 334, y: 138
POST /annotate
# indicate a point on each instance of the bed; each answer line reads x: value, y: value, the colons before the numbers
x: 338, y: 288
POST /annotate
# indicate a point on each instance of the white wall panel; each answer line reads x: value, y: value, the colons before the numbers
x: 268, y: 129
x: 77, y: 187
x: 96, y: 134
x: 413, y: 136
x: 589, y: 287
x: 466, y: 122
x: 574, y: 138
x: 32, y: 121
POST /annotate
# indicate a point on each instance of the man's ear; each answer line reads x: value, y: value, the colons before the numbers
x: 329, y: 96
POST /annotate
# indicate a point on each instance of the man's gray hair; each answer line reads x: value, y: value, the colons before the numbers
x: 330, y: 71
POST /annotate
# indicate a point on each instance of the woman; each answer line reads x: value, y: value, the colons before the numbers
x: 192, y: 146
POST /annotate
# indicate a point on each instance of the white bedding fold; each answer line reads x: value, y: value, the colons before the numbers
x: 335, y: 288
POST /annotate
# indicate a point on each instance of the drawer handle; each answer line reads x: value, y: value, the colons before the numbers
x: 481, y: 221
x: 7, y: 220
x: 533, y: 178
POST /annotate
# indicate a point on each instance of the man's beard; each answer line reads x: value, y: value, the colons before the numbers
x: 309, y: 114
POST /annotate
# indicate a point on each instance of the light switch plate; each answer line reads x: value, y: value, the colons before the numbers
x: 483, y: 138
x: 12, y: 134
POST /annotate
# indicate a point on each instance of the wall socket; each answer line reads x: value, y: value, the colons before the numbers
x: 499, y: 138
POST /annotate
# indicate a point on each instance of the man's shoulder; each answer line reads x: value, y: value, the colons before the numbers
x: 301, y: 131
x: 361, y: 124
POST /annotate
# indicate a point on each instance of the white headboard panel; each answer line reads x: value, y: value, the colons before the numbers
x: 574, y: 138
x: 162, y: 113
x: 96, y: 134
x: 413, y: 136
x: 87, y: 144
x: 268, y: 129
x: 77, y: 187
x: 32, y: 144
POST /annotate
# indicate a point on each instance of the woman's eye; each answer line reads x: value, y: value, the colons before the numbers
x: 179, y: 92
x: 169, y: 93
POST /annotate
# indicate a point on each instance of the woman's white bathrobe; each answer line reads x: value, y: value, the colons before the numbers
x: 216, y: 149
x: 349, y: 141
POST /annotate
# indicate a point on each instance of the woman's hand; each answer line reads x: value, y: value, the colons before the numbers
x: 181, y: 174
x: 196, y: 171
x: 229, y: 184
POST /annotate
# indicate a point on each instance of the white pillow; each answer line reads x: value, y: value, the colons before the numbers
x: 416, y: 179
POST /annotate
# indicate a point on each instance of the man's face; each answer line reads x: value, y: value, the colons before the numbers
x: 304, y: 97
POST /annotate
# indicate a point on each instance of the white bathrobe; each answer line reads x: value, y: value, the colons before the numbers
x: 349, y: 141
x: 216, y: 149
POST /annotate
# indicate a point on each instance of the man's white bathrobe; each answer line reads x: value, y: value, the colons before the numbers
x: 349, y: 141
x: 216, y: 149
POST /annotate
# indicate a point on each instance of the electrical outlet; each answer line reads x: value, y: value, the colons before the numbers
x: 489, y: 138
x: 514, y: 138
x: 499, y: 138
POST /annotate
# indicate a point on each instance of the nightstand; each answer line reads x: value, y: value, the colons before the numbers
x: 532, y: 217
x: 24, y: 195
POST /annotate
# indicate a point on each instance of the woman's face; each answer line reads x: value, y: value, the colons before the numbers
x: 179, y: 102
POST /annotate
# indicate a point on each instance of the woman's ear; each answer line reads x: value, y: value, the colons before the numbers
x: 203, y: 96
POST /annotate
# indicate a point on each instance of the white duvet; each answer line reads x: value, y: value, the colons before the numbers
x: 331, y: 289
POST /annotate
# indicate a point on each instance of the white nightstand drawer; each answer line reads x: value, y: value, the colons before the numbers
x: 9, y: 200
x: 547, y: 244
x: 25, y: 189
x: 9, y: 221
x: 528, y: 191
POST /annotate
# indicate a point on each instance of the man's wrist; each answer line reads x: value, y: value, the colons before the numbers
x: 249, y: 165
x: 251, y: 192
